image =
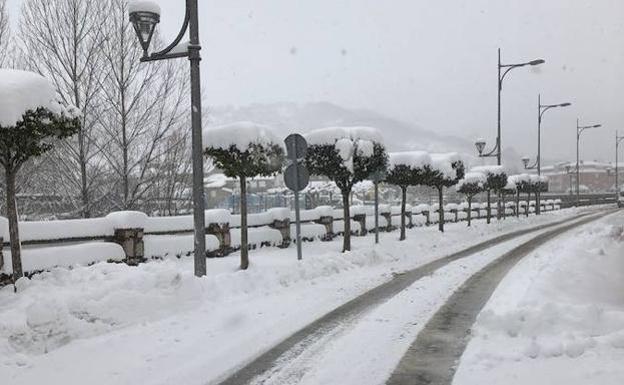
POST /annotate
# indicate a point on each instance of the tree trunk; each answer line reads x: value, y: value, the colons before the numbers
x: 346, y: 246
x: 518, y: 204
x: 489, y: 207
x: 16, y: 256
x: 498, y: 205
x: 403, y: 199
x: 528, y: 206
x: 504, y: 213
x: 440, y: 209
x: 243, y: 214
x: 469, y: 209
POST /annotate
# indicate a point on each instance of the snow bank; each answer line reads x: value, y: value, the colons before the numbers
x: 58, y: 229
x: 160, y: 246
x: 21, y: 91
x: 309, y: 231
x: 45, y: 258
x: 127, y: 219
x: 185, y: 222
x: 264, y: 218
x: 558, y: 316
x: 240, y: 135
x: 257, y: 236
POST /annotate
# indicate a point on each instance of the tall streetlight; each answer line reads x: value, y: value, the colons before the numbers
x: 618, y: 139
x: 541, y: 109
x: 144, y: 15
x: 579, y: 130
x: 480, y: 144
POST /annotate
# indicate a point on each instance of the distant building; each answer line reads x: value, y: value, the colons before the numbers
x: 594, y: 176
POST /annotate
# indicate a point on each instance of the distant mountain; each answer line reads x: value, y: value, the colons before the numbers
x: 287, y: 118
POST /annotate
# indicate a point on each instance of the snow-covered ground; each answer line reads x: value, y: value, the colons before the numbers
x: 558, y: 317
x: 157, y: 324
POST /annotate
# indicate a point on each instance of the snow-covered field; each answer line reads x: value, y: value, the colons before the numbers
x: 558, y: 317
x: 157, y: 324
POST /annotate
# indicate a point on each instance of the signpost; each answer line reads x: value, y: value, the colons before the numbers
x: 377, y: 177
x: 296, y: 176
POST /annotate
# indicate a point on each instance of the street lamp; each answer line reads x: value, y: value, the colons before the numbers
x: 579, y: 130
x: 496, y: 151
x: 541, y: 109
x: 144, y: 16
x: 618, y: 139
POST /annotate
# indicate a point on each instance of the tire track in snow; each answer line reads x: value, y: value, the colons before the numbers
x: 267, y: 367
x: 433, y: 356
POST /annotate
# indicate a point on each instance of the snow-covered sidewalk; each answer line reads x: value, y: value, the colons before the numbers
x: 157, y: 324
x: 558, y: 317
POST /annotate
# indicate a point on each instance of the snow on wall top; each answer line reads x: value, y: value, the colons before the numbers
x: 239, y: 134
x: 21, y: 91
x: 413, y: 159
x: 331, y: 135
x: 143, y: 6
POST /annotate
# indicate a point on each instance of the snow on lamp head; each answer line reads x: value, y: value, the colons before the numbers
x: 525, y: 161
x: 144, y: 15
x: 480, y: 144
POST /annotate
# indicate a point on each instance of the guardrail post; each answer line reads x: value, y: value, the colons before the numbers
x: 131, y: 240
x: 284, y: 227
x: 361, y: 219
x: 222, y: 232
x: 328, y: 222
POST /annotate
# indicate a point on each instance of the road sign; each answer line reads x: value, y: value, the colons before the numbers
x: 296, y: 177
x: 296, y: 146
x: 378, y: 176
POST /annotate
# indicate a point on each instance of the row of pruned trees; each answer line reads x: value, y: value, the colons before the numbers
x: 131, y: 151
x: 344, y: 155
x: 419, y: 168
x: 493, y: 179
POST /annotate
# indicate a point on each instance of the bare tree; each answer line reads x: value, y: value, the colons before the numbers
x: 144, y: 106
x: 63, y: 40
x: 4, y: 33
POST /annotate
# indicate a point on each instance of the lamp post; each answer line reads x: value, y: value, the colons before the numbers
x: 618, y: 139
x: 480, y: 144
x: 144, y: 15
x: 579, y: 130
x: 541, y: 109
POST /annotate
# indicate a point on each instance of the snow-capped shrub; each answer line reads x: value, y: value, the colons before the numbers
x: 496, y: 182
x: 345, y: 155
x: 244, y: 150
x: 472, y: 184
x: 408, y: 169
x: 31, y: 120
x: 446, y: 171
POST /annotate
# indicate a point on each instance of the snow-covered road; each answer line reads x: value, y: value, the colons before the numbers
x: 155, y: 324
x: 558, y: 316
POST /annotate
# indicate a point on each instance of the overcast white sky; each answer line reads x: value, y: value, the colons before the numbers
x: 428, y: 62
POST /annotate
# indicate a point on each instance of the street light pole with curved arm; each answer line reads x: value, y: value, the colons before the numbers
x: 579, y: 130
x: 497, y: 150
x: 144, y: 15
